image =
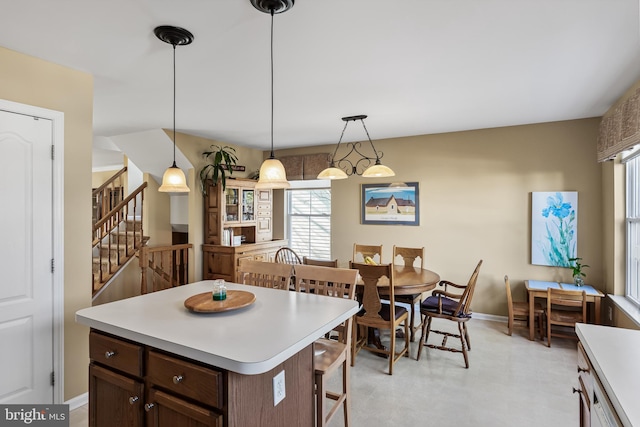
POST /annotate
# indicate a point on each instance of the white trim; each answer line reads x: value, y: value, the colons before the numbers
x: 310, y: 183
x: 630, y: 154
x: 627, y: 307
x: 489, y: 317
x: 57, y: 118
x: 78, y: 401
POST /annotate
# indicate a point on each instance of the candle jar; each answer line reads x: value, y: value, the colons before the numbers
x: 219, y: 290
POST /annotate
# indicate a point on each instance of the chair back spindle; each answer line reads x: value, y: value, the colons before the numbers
x: 265, y: 274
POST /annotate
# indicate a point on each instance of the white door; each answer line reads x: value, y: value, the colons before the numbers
x: 26, y: 252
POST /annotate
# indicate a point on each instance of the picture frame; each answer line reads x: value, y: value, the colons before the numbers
x: 390, y: 204
x: 554, y: 227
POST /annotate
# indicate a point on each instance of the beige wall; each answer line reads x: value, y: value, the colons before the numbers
x: 475, y: 202
x: 31, y: 81
x: 99, y: 178
x: 156, y: 215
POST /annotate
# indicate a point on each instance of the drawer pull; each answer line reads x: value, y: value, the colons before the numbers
x: 109, y: 354
x: 149, y: 406
x: 575, y: 390
x: 133, y: 399
x: 582, y: 369
x: 177, y: 379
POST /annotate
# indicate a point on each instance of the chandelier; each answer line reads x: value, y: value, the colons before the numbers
x: 350, y: 163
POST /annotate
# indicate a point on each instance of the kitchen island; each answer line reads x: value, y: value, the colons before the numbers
x: 152, y: 360
x: 609, y: 375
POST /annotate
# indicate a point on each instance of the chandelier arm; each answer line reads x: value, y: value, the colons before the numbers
x: 370, y: 142
x: 342, y: 164
x: 333, y: 156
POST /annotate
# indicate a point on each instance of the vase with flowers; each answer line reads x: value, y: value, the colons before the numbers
x: 578, y: 274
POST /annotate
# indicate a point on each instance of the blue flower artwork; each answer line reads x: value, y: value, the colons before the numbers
x: 554, y: 228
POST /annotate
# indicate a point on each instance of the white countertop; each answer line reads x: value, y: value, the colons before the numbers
x: 250, y: 340
x: 615, y: 355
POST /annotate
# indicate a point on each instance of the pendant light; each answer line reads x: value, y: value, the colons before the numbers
x: 173, y: 180
x: 344, y: 167
x: 272, y: 173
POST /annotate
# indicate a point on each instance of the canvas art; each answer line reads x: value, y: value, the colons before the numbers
x: 383, y: 204
x: 554, y: 227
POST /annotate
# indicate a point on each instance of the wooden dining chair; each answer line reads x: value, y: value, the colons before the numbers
x: 519, y: 311
x: 360, y: 252
x: 287, y: 256
x: 409, y: 257
x: 444, y: 304
x: 320, y: 262
x: 378, y: 314
x: 265, y: 274
x: 330, y: 354
x: 565, y: 308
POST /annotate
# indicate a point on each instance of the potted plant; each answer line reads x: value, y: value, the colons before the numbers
x: 576, y: 268
x: 222, y: 161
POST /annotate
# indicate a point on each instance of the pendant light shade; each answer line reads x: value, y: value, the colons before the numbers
x: 358, y: 164
x: 272, y: 175
x: 173, y: 180
x: 272, y: 172
x: 332, y: 172
x: 378, y: 171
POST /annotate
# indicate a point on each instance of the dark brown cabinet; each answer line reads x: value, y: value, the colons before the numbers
x: 132, y: 385
x: 166, y: 410
x: 114, y: 399
x: 135, y: 385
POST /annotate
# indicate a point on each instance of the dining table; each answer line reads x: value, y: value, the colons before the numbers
x: 538, y: 289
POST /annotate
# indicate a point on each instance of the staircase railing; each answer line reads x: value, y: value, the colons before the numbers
x: 108, y: 195
x: 125, y: 219
x: 169, y: 266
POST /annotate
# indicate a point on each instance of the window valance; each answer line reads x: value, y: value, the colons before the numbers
x: 620, y: 126
x: 304, y: 166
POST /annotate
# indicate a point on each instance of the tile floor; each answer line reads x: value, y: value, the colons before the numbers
x: 511, y: 381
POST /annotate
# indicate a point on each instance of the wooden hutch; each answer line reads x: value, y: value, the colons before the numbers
x: 245, y: 212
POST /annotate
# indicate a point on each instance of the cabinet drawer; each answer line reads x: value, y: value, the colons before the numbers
x: 264, y: 209
x: 185, y: 378
x: 115, y: 353
x: 585, y: 372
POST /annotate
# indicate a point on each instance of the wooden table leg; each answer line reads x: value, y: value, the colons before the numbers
x: 596, y: 302
x: 531, y: 316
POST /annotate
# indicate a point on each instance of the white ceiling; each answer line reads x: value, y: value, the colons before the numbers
x: 414, y: 66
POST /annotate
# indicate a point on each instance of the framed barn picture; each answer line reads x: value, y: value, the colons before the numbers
x: 390, y: 204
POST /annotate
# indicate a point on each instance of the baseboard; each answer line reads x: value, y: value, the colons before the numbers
x: 78, y: 401
x: 489, y: 317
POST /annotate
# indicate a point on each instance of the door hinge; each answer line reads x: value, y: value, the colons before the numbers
x: 53, y: 265
x: 53, y: 378
x: 53, y: 152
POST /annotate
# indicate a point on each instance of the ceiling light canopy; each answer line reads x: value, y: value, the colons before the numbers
x: 272, y: 173
x: 344, y: 167
x: 173, y: 180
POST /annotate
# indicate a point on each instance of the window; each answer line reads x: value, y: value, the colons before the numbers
x: 309, y: 220
x: 633, y: 229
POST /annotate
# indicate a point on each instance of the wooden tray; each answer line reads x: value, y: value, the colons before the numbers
x: 204, y: 303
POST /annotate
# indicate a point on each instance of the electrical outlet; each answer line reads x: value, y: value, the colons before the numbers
x: 278, y: 388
